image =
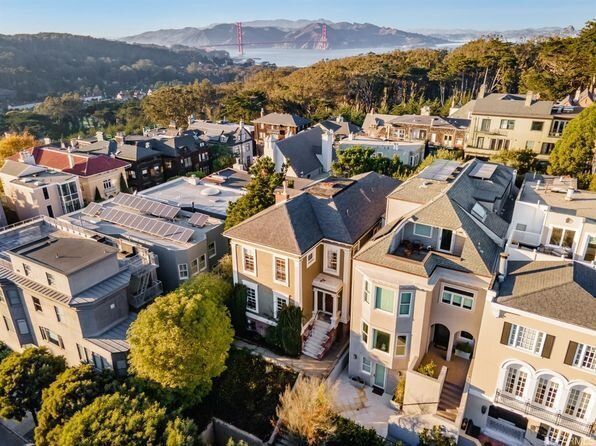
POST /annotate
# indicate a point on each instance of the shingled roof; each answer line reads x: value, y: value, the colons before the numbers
x: 287, y: 119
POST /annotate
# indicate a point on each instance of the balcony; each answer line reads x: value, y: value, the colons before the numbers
x: 530, y: 239
x: 143, y: 297
x: 556, y: 418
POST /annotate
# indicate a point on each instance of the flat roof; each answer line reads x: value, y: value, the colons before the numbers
x: 545, y: 192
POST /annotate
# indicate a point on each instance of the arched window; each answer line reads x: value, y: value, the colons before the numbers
x: 578, y: 402
x: 515, y: 380
x: 547, y: 389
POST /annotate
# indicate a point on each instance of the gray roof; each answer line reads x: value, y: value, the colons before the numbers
x: 376, y: 120
x: 560, y: 290
x: 286, y: 119
x: 301, y: 150
x: 18, y: 169
x: 306, y: 219
x: 127, y: 152
x: 507, y: 104
x: 379, y: 120
x: 464, y: 111
x: 341, y: 127
x: 114, y: 339
x: 106, y: 287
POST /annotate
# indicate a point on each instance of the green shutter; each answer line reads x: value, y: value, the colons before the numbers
x: 505, y: 333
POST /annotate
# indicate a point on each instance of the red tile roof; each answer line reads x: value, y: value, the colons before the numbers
x: 83, y: 165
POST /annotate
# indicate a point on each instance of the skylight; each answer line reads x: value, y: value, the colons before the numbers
x: 479, y: 211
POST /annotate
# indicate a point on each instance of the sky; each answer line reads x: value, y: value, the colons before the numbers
x: 118, y: 18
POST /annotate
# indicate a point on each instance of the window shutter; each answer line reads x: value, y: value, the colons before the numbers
x: 542, y: 431
x: 547, y: 348
x: 571, y: 349
x: 505, y: 333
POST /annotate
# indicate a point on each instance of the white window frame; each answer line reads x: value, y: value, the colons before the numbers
x: 580, y: 356
x: 182, y: 267
x: 411, y: 293
x: 59, y: 314
x: 366, y: 294
x: 277, y: 297
x: 463, y: 296
x: 450, y: 250
x: 252, y: 252
x: 390, y: 347
x: 537, y: 344
x: 374, y: 304
x: 214, y: 249
x: 203, y: 257
x: 416, y: 225
x: 363, y: 332
x: 22, y: 324
x: 255, y: 288
x: 407, y: 344
x: 194, y: 266
x: 311, y: 257
x: 369, y: 365
x: 564, y: 229
x: 274, y: 264
x: 329, y: 249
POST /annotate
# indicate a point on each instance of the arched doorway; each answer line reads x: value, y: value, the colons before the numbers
x: 464, y: 344
x: 440, y: 336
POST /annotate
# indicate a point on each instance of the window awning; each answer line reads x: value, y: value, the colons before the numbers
x: 327, y: 282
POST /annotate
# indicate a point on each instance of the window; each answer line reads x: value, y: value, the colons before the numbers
x: 401, y: 345
x: 458, y: 298
x: 384, y: 299
x: 537, y: 126
x: 23, y: 327
x: 50, y: 336
x: 422, y: 230
x: 364, y: 333
x: 280, y: 273
x: 203, y: 262
x: 405, y: 303
x: 507, y: 124
x: 529, y: 145
x: 251, y: 297
x: 194, y: 266
x: 557, y: 437
x: 59, y: 313
x: 547, y: 147
x: 211, y: 250
x: 13, y: 297
x: 521, y: 227
x: 6, y: 323
x: 51, y: 280
x: 557, y: 128
x: 83, y: 353
x: 365, y: 365
x: 585, y: 357
x: 485, y: 125
x: 311, y: 257
x: 132, y: 174
x: 69, y: 195
x: 515, y: 381
x: 577, y: 403
x: 381, y: 340
x: 561, y: 237
x: 590, y: 254
x: 546, y: 392
x: 46, y: 195
x: 37, y: 304
x: 107, y: 184
x: 279, y: 303
x: 26, y: 269
x: 183, y: 271
x: 50, y: 211
x: 526, y: 339
x: 248, y: 256
x: 446, y: 240
x: 366, y: 291
x: 480, y: 142
x: 331, y: 259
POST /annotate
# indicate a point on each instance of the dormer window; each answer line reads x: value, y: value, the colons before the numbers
x: 479, y: 212
x: 51, y: 280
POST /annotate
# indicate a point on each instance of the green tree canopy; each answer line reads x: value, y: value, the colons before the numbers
x: 523, y: 160
x: 442, y: 154
x: 209, y: 285
x: 23, y: 376
x: 260, y: 192
x: 358, y: 159
x: 181, y: 342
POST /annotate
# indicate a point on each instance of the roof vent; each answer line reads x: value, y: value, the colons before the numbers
x: 210, y: 191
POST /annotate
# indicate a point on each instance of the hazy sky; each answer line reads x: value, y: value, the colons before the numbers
x: 115, y: 18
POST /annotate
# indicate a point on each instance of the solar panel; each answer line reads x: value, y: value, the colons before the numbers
x: 92, y: 209
x: 440, y: 170
x: 147, y: 225
x: 483, y: 171
x: 198, y: 219
x: 146, y: 205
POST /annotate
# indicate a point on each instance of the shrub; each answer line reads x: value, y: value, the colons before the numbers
x: 4, y: 351
x: 348, y: 433
x: 400, y: 391
x: 286, y: 335
x: 428, y: 369
x: 435, y: 437
x: 237, y: 306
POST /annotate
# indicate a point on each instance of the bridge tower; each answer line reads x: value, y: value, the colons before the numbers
x: 323, y: 43
x: 239, y: 38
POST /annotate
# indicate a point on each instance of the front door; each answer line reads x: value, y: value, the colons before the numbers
x: 380, y: 373
x: 441, y: 337
x: 446, y: 239
x: 325, y: 302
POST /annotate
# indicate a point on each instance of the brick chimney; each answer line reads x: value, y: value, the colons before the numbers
x: 482, y: 91
x: 529, y: 98
x: 283, y: 195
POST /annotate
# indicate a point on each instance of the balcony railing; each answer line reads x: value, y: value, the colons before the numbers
x: 526, y: 238
x: 556, y: 418
x: 140, y: 299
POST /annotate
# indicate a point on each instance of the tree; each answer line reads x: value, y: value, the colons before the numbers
x: 97, y: 197
x: 116, y: 419
x: 23, y: 376
x: 182, y: 432
x: 574, y: 151
x: 237, y: 308
x: 523, y: 160
x: 4, y: 351
x: 307, y: 410
x: 181, y: 342
x: 14, y: 143
x: 123, y: 184
x: 348, y: 433
x: 435, y: 437
x: 224, y: 268
x: 260, y: 192
x: 72, y: 390
x: 357, y: 159
x: 210, y: 286
x: 286, y: 335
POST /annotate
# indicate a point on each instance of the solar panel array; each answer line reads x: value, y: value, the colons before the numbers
x: 146, y: 206
x: 148, y: 225
x: 440, y: 170
x: 92, y: 209
x: 198, y: 219
x: 483, y: 171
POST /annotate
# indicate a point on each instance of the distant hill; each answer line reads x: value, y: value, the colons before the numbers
x: 514, y: 35
x: 289, y: 34
x: 33, y: 66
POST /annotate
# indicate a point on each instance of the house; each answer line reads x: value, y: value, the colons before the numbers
x: 184, y: 240
x: 516, y: 121
x: 533, y: 378
x: 409, y: 153
x: 552, y: 218
x: 97, y: 174
x: 281, y: 125
x: 419, y: 285
x: 436, y: 131
x: 340, y: 127
x: 582, y: 98
x: 309, y: 154
x: 304, y: 257
x: 31, y: 190
x: 70, y: 290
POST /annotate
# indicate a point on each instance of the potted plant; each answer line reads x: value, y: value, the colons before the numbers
x: 357, y: 382
x: 463, y: 350
x: 398, y: 397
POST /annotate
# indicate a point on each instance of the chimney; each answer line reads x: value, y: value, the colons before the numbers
x: 351, y: 136
x: 270, y: 149
x: 529, y: 98
x: 47, y: 141
x: 262, y: 112
x: 71, y: 162
x: 578, y: 93
x: 327, y: 150
x: 283, y: 195
x: 62, y: 145
x: 99, y: 136
x: 425, y: 111
x: 26, y: 157
x: 119, y: 138
x: 482, y: 91
x: 569, y: 194
x: 503, y: 266
x: 73, y: 144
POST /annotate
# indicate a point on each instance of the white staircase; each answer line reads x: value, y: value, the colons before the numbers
x: 313, y: 346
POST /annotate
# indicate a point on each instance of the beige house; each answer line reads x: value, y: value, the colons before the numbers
x: 299, y: 252
x: 419, y: 286
x: 514, y: 121
x: 534, y: 377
